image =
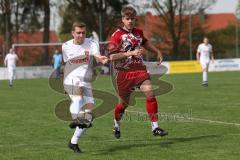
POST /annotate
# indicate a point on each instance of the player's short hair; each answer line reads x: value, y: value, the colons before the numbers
x: 128, y: 11
x: 205, y: 37
x: 78, y: 24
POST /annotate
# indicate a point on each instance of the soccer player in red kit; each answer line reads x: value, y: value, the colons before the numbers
x: 131, y: 71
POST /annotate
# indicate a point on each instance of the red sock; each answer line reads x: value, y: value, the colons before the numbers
x: 152, y: 108
x: 118, y: 112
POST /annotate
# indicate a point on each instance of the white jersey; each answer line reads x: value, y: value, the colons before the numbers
x: 205, y: 51
x: 77, y: 57
x: 11, y: 60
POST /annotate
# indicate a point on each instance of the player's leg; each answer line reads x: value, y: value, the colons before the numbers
x: 74, y: 89
x: 85, y: 103
x: 88, y: 104
x: 10, y: 76
x: 75, y: 108
x: 152, y: 107
x: 124, y: 90
x: 205, y: 65
x: 118, y: 113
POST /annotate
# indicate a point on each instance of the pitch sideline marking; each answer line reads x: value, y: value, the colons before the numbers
x: 199, y: 119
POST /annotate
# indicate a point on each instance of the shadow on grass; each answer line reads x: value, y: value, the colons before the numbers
x: 138, y: 143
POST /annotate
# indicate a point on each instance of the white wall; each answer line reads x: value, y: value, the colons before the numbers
x: 28, y: 72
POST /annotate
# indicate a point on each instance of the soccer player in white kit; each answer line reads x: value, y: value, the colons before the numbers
x: 204, y: 52
x: 10, y: 61
x: 78, y: 54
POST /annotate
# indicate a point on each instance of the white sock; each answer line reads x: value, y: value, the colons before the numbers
x: 77, y: 134
x: 154, y: 125
x: 205, y: 78
x: 116, y: 123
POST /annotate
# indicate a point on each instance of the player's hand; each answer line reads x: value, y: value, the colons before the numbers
x: 159, y: 58
x: 103, y: 59
x: 212, y: 60
x: 198, y: 61
x: 137, y: 52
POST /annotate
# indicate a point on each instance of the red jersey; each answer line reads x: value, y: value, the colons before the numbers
x: 128, y: 41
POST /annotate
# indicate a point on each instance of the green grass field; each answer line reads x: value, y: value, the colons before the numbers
x: 31, y: 131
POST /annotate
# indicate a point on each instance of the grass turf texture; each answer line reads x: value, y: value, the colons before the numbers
x: 30, y: 130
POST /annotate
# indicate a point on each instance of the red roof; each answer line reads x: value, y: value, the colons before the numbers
x: 219, y: 21
x: 31, y: 55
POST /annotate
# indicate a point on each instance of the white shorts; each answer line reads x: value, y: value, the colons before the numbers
x: 11, y: 73
x: 73, y: 84
x: 204, y: 63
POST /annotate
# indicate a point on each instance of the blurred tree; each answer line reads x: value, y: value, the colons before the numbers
x: 32, y: 20
x: 174, y: 15
x: 99, y: 16
x: 224, y: 39
x: 5, y: 7
x: 24, y: 16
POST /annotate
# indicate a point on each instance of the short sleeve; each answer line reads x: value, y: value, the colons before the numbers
x: 94, y: 47
x: 199, y: 49
x: 114, y: 42
x: 64, y: 48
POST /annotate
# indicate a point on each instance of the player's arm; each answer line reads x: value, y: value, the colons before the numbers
x: 124, y: 55
x: 5, y: 61
x: 211, y: 54
x: 149, y: 46
x: 100, y: 58
x: 212, y: 57
x: 198, y: 54
x: 17, y: 59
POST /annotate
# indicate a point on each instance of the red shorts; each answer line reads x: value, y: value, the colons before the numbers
x: 126, y: 80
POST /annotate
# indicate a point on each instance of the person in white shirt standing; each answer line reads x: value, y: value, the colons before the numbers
x: 10, y: 61
x: 204, y: 53
x: 78, y: 55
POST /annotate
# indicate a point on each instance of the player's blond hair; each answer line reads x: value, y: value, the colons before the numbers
x: 78, y: 24
x: 128, y: 11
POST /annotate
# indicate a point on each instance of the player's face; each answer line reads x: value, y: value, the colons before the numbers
x: 205, y: 40
x: 11, y: 50
x: 128, y: 22
x: 79, y: 34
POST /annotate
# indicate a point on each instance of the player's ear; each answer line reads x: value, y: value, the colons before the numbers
x: 73, y: 33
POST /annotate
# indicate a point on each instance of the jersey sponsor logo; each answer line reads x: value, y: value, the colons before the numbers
x: 79, y: 60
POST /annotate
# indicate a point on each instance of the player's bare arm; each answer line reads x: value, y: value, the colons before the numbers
x: 100, y: 58
x: 5, y: 62
x: 212, y: 56
x: 124, y: 55
x: 149, y: 46
x: 198, y: 56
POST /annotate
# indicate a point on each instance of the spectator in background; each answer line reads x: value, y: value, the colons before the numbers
x: 57, y: 60
x: 10, y: 62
